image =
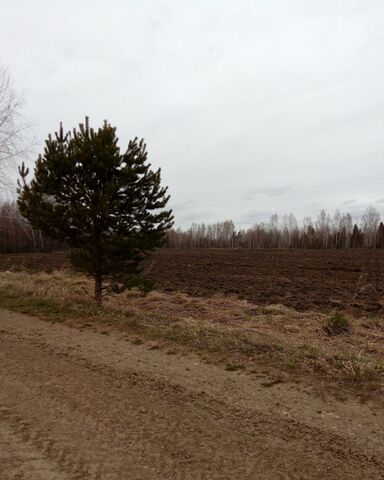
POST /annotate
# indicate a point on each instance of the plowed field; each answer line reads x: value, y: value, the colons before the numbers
x: 303, y: 279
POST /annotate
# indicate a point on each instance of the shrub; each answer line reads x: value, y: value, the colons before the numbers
x: 337, y: 324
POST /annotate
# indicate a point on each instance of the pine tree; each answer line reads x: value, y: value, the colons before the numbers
x: 107, y: 206
x: 380, y: 236
x: 357, y: 237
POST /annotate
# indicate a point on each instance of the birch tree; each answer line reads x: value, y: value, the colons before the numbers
x: 12, y: 128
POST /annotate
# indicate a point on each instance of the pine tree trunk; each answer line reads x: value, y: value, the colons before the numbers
x: 98, y: 288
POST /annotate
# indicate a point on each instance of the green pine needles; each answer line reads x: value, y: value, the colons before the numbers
x: 107, y: 206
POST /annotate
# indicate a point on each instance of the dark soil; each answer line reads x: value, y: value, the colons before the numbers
x: 323, y: 280
x: 35, y: 262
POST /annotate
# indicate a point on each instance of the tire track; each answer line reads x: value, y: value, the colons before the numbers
x: 86, y: 420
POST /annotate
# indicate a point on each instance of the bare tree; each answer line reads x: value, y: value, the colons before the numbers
x: 337, y: 231
x: 323, y: 227
x: 369, y: 224
x: 12, y: 128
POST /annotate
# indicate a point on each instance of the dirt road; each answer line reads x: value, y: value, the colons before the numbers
x: 91, y: 404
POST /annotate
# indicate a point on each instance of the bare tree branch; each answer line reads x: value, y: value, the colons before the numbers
x: 13, y: 130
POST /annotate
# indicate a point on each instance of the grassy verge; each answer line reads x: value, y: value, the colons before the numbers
x: 230, y: 330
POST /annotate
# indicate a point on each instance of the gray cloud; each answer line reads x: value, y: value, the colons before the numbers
x: 271, y: 192
x: 255, y: 216
x: 347, y: 203
x: 248, y: 106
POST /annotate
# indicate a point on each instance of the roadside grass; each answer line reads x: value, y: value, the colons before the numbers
x: 337, y: 324
x: 235, y: 332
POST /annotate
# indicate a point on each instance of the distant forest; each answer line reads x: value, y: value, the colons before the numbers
x: 338, y: 231
x: 326, y: 231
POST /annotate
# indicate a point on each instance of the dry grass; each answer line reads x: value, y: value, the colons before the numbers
x: 290, y: 340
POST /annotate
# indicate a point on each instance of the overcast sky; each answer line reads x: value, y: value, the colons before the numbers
x: 250, y: 106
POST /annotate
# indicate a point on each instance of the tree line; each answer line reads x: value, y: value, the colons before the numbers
x: 326, y: 231
x: 17, y: 234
